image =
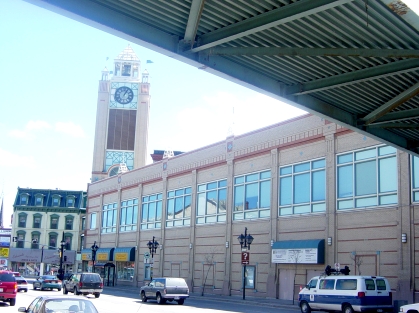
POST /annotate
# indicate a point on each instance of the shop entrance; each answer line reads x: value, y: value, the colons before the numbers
x: 109, y: 277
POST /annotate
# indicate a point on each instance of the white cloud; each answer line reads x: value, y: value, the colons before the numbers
x: 15, y: 133
x: 69, y: 128
x: 36, y: 125
x: 16, y: 160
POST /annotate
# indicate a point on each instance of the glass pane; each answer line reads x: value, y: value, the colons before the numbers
x: 264, y: 213
x: 201, y: 188
x: 152, y: 198
x: 144, y: 213
x: 319, y: 207
x: 285, y: 211
x: 170, y: 194
x: 179, y: 207
x: 159, y: 196
x: 345, y: 158
x: 265, y: 175
x: 366, y: 202
x: 416, y: 196
x: 388, y: 174
x: 365, y: 178
x: 114, y: 217
x: 252, y: 196
x: 200, y: 220
x: 211, y: 185
x: 285, y: 190
x: 211, y: 219
x: 211, y: 202
x: 346, y: 204
x: 187, y: 206
x: 265, y: 194
x: 302, y: 209
x: 238, y: 198
x: 222, y: 200
x: 301, y: 167
x: 386, y: 150
x: 151, y: 211
x: 388, y: 199
x: 251, y: 215
x: 302, y: 188
x: 318, y: 164
x: 221, y: 218
x: 123, y: 213
x: 415, y: 172
x: 345, y: 181
x: 145, y: 199
x: 129, y: 215
x: 366, y: 154
x: 200, y: 210
x: 318, y: 185
x: 285, y: 170
x: 239, y: 180
x: 170, y: 209
x: 179, y: 192
x: 159, y: 210
x: 222, y: 183
x: 188, y: 191
x: 252, y: 177
x: 135, y: 214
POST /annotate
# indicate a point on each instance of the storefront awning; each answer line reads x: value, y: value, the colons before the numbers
x: 124, y: 254
x: 86, y: 254
x: 104, y: 254
x: 310, y: 251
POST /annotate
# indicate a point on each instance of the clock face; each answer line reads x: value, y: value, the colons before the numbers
x: 124, y: 95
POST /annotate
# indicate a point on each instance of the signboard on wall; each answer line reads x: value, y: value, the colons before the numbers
x: 307, y: 256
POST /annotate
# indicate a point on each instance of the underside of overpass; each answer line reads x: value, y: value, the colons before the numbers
x: 353, y: 62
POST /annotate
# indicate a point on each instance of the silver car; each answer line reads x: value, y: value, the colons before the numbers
x: 165, y: 289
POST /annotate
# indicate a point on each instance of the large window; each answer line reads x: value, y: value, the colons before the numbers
x: 415, y: 179
x: 125, y: 270
x: 367, y: 178
x: 56, y: 199
x: 93, y: 221
x: 151, y: 211
x: 39, y: 199
x: 69, y: 222
x: 252, y: 196
x: 211, y: 202
x: 24, y: 199
x: 302, y: 188
x: 22, y: 219
x: 52, y: 240
x: 54, y: 221
x: 178, y: 211
x: 20, y: 239
x: 35, y: 240
x: 68, y: 239
x: 109, y: 218
x: 129, y: 213
x: 37, y: 218
x: 71, y: 200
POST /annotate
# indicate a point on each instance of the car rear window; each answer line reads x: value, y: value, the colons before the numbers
x: 381, y: 284
x: 7, y: 277
x: 176, y: 282
x: 91, y: 278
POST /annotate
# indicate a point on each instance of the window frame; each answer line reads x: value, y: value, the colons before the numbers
x: 69, y: 199
x: 175, y: 198
x: 35, y: 216
x: 296, y: 170
x: 93, y: 221
x: 39, y: 196
x: 109, y: 222
x: 19, y: 222
x: 21, y: 235
x: 24, y: 198
x: 52, y: 217
x: 414, y: 161
x: 67, y: 219
x: 52, y: 235
x: 241, y: 186
x: 205, y: 189
x: 58, y: 198
x: 124, y: 225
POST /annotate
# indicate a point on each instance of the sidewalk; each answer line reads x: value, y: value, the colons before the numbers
x: 239, y: 299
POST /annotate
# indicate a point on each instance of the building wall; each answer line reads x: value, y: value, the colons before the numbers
x: 368, y: 240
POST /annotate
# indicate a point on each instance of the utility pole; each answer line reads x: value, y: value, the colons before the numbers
x: 61, y: 252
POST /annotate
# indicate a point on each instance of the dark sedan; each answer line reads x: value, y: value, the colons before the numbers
x: 47, y: 282
x: 47, y: 304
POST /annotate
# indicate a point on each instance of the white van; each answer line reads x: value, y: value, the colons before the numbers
x: 346, y: 293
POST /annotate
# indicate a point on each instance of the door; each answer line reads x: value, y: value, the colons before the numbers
x: 286, y: 284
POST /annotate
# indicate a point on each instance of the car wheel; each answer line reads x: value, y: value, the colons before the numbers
x: 59, y: 289
x: 42, y: 288
x: 143, y: 297
x: 305, y: 308
x: 76, y: 292
x: 25, y: 290
x: 347, y: 309
x: 160, y: 299
x: 181, y: 301
x: 12, y: 302
x: 65, y: 291
x: 97, y: 295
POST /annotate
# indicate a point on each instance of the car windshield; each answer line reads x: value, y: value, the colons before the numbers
x: 69, y: 306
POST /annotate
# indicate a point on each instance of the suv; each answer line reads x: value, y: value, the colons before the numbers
x: 22, y: 283
x: 165, y: 289
x: 8, y: 287
x: 83, y: 283
x: 346, y: 293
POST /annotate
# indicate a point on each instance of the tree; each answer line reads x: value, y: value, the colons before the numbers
x: 209, y: 259
x: 357, y: 261
x: 295, y: 257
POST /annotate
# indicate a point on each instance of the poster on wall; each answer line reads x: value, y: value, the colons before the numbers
x: 305, y: 255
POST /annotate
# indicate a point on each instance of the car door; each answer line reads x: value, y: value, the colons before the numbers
x: 150, y: 289
x: 70, y: 283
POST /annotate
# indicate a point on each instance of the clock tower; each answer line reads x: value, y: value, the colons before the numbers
x: 122, y: 117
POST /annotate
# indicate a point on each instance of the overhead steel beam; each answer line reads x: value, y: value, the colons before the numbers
x: 397, y: 116
x: 264, y: 21
x: 392, y: 104
x: 193, y: 21
x: 323, y: 52
x: 351, y: 78
x: 395, y: 125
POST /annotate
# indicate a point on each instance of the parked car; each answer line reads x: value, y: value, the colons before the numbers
x: 84, y: 283
x: 47, y: 282
x: 22, y: 283
x: 409, y: 308
x: 47, y: 304
x: 346, y: 293
x: 165, y: 289
x: 8, y: 287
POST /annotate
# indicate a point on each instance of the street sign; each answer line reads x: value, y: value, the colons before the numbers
x: 146, y: 255
x: 245, y: 258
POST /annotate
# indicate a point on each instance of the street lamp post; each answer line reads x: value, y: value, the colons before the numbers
x: 61, y: 251
x: 94, y: 250
x: 152, y: 246
x: 245, y: 242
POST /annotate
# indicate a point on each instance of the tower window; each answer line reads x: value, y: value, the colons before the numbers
x: 126, y: 70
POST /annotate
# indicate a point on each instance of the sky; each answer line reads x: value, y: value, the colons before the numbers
x: 51, y: 66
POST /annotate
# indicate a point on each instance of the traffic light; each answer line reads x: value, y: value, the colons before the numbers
x: 14, y: 239
x: 345, y: 271
x: 65, y: 258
